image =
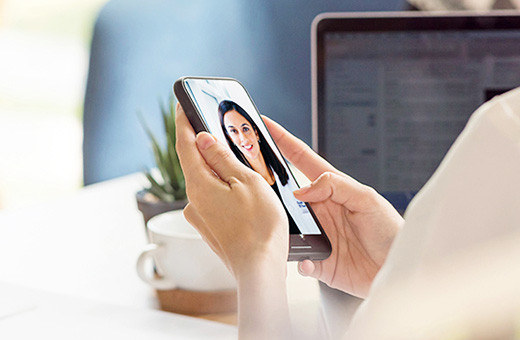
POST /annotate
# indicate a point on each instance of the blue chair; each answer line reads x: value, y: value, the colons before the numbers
x: 139, y: 48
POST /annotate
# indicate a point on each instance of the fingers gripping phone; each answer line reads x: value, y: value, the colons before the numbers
x: 223, y: 107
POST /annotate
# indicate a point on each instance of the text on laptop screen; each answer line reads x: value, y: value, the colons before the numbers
x: 393, y: 102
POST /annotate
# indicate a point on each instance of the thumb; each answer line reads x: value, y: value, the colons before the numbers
x: 219, y: 157
x: 309, y: 268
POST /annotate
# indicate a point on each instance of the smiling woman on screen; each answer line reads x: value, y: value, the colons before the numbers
x: 250, y: 146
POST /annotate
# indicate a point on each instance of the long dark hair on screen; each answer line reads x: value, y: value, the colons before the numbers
x: 269, y: 156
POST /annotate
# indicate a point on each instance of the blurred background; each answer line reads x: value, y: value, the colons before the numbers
x: 44, y: 48
x: 53, y: 140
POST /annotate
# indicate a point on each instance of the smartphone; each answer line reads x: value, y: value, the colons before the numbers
x: 224, y: 108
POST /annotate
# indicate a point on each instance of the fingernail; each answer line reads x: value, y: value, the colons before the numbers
x: 300, y: 270
x: 205, y: 140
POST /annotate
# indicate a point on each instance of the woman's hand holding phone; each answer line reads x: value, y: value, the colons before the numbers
x: 360, y: 223
x: 243, y: 221
x: 224, y: 202
x: 251, y: 235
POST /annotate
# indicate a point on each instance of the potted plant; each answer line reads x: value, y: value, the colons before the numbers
x: 167, y: 189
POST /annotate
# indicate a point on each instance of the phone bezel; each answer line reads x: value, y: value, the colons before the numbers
x: 301, y: 246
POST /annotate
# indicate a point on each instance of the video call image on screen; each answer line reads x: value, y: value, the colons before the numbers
x: 232, y: 118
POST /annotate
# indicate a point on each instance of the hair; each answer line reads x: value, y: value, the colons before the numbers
x: 270, y: 157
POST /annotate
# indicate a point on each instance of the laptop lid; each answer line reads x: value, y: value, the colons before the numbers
x: 392, y: 91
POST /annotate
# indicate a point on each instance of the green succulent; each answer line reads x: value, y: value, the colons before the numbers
x: 170, y: 186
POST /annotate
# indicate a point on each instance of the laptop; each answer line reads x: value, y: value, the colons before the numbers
x: 392, y: 91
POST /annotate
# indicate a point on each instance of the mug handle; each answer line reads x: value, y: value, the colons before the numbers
x: 159, y: 282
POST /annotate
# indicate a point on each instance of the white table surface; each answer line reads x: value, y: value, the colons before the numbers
x: 86, y: 245
x: 27, y: 314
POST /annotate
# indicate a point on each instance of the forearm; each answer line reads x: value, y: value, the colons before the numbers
x: 263, y: 311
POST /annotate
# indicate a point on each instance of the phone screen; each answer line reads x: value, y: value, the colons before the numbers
x: 230, y: 115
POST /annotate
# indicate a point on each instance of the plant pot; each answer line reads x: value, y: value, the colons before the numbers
x: 149, y: 205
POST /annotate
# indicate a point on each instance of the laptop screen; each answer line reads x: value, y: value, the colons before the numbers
x: 393, y: 91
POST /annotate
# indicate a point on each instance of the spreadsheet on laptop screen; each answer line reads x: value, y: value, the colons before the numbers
x: 393, y: 103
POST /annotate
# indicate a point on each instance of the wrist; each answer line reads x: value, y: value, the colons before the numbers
x: 262, y: 267
x: 262, y: 297
x: 270, y: 255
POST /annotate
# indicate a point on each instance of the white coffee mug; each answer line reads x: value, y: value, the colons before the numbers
x: 183, y: 260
